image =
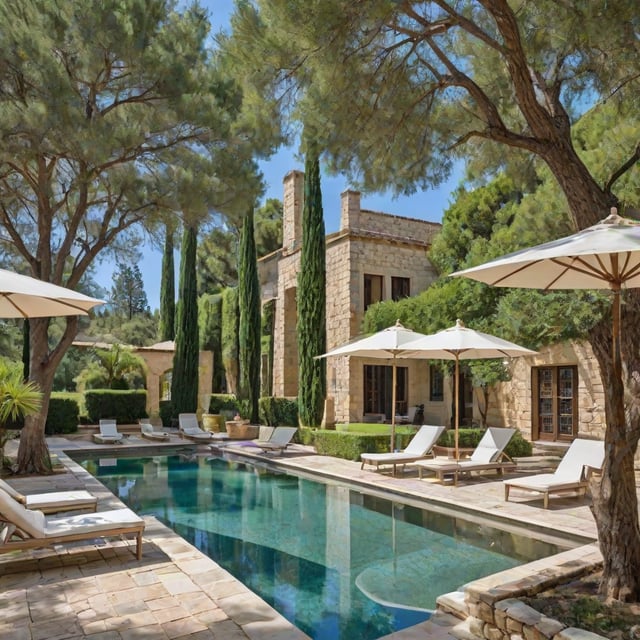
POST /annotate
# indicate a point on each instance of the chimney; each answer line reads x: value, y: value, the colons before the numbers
x: 350, y: 210
x: 292, y: 210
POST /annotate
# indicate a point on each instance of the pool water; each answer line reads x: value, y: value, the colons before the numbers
x: 338, y: 563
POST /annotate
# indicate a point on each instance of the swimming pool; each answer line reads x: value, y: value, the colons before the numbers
x: 339, y: 563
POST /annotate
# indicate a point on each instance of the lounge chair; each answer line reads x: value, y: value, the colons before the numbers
x: 488, y: 455
x: 278, y: 441
x: 189, y: 428
x: 55, y: 501
x: 109, y: 433
x: 419, y: 447
x: 408, y: 417
x: 572, y: 474
x: 270, y: 439
x: 147, y: 431
x: 22, y: 528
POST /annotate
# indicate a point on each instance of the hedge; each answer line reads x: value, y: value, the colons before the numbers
x: 349, y: 445
x: 278, y: 412
x: 220, y: 402
x: 62, y: 417
x: 126, y: 407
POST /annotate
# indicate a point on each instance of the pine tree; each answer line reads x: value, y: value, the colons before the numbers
x: 184, y: 379
x: 128, y: 297
x: 250, y: 329
x: 311, y: 300
x: 167, y: 290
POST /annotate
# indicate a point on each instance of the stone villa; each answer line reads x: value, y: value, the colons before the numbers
x: 556, y: 395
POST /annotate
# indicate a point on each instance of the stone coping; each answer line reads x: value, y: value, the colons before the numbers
x: 576, y: 523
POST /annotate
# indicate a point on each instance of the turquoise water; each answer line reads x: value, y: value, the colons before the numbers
x: 337, y: 563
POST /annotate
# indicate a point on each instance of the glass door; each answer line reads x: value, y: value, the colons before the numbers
x: 555, y: 403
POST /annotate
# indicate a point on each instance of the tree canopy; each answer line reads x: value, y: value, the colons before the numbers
x: 218, y: 249
x: 113, y: 116
x: 396, y: 91
x: 128, y: 297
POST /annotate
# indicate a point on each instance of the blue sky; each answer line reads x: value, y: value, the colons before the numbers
x: 427, y: 205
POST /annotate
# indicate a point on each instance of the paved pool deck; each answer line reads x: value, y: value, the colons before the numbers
x: 99, y: 590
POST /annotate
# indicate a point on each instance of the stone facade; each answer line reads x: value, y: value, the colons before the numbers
x: 511, y: 403
x: 367, y: 243
x: 389, y: 246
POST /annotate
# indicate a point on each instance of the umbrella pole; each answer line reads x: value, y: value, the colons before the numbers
x: 617, y: 351
x: 393, y: 406
x: 456, y: 392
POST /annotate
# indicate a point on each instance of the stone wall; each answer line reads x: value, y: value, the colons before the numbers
x: 511, y: 403
x: 367, y: 243
x: 493, y: 611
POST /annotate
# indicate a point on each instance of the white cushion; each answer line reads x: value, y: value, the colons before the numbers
x: 484, y: 454
x: 87, y: 523
x: 60, y: 499
x: 11, y: 491
x: 31, y: 522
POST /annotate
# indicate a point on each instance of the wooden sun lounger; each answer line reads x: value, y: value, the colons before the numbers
x: 488, y: 455
x: 22, y: 528
x: 572, y: 474
x: 109, y: 433
x: 55, y: 501
x: 147, y: 431
x: 419, y: 447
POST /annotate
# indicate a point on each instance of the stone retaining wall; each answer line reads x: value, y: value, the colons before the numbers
x: 494, y: 612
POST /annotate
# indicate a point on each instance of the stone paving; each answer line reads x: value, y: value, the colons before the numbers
x: 98, y: 590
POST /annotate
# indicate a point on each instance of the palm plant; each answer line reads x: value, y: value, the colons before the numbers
x: 18, y: 399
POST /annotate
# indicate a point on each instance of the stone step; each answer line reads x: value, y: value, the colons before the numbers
x: 453, y: 603
x: 440, y: 626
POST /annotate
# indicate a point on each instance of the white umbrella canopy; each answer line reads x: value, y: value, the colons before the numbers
x: 460, y: 343
x: 388, y: 344
x: 604, y: 256
x: 26, y: 297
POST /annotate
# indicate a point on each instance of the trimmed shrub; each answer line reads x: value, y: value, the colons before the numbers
x: 278, y: 412
x: 349, y: 445
x: 223, y: 402
x: 166, y: 412
x: 126, y: 407
x: 62, y: 417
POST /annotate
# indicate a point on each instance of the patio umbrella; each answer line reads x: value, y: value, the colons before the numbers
x: 26, y: 297
x: 604, y: 256
x: 459, y: 343
x: 389, y: 344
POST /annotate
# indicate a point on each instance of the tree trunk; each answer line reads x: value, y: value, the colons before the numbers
x: 33, y: 453
x: 615, y: 501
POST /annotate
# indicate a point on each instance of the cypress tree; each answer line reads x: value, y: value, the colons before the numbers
x: 267, y: 343
x: 184, y: 380
x: 249, y: 329
x: 167, y: 290
x: 210, y: 326
x: 311, y: 299
x: 229, y: 338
